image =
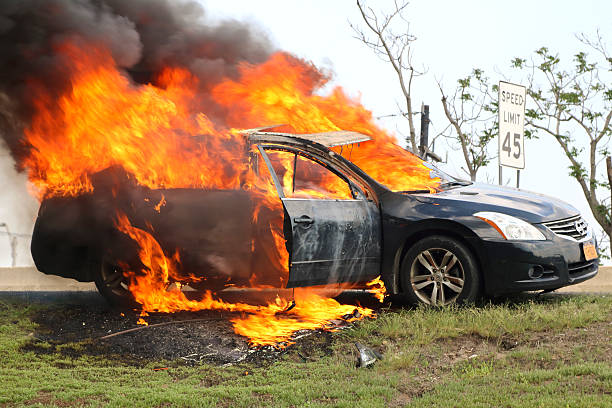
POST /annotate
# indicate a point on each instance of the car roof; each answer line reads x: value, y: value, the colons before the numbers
x: 327, y: 139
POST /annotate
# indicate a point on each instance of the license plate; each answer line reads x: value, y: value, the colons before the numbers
x: 589, y: 251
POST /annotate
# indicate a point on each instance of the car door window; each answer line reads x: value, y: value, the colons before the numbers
x: 312, y: 180
x: 302, y: 177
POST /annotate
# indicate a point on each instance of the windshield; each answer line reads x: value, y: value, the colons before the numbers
x: 396, y: 168
x: 441, y: 174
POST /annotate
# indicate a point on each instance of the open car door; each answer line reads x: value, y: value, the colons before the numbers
x: 332, y: 230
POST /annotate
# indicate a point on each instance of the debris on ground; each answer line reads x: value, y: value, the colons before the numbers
x: 367, y: 355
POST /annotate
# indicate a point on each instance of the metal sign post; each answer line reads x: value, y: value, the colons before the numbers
x: 424, y: 142
x: 511, y: 144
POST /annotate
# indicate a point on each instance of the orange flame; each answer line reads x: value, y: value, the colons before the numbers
x: 170, y: 135
x: 155, y: 132
x: 377, y: 288
x: 161, y: 203
x: 265, y: 325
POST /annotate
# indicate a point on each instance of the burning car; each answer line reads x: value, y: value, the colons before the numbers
x: 304, y: 208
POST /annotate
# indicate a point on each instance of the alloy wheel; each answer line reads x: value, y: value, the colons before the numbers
x: 437, y: 277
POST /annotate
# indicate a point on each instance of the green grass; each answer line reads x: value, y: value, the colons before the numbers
x: 451, y: 357
x: 424, y: 325
x: 575, y: 385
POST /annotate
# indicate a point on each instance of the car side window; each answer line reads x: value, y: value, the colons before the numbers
x: 312, y: 180
x: 302, y: 177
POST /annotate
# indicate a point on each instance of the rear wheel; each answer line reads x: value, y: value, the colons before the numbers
x: 112, y: 283
x: 439, y: 271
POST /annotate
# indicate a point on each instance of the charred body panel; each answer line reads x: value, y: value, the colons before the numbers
x: 333, y: 241
x: 329, y: 240
x: 63, y: 235
x: 210, y: 229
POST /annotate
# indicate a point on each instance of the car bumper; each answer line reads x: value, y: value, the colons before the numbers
x: 515, y: 266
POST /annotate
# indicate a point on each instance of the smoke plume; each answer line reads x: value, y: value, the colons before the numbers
x: 143, y: 36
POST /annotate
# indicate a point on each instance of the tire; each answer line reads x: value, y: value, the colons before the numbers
x: 112, y: 283
x: 440, y: 271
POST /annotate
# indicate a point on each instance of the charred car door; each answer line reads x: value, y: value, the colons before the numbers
x: 332, y: 229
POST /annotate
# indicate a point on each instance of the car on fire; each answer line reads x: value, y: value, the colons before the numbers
x: 451, y: 245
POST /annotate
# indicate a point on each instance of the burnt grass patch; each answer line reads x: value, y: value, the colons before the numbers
x: 74, y: 330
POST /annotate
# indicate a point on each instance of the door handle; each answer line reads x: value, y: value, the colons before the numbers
x: 304, y: 219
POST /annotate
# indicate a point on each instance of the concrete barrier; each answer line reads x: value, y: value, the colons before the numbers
x: 30, y: 279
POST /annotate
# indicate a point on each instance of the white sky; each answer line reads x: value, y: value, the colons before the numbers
x: 453, y: 37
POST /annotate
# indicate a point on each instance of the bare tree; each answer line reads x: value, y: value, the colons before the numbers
x: 394, y: 46
x: 472, y: 115
x: 574, y: 107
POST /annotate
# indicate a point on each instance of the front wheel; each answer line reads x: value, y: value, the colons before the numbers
x: 439, y: 271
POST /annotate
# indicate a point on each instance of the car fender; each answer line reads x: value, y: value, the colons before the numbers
x: 396, y: 245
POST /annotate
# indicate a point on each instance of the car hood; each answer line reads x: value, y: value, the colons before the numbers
x: 528, y: 206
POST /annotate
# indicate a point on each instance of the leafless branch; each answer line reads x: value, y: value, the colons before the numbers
x: 393, y: 47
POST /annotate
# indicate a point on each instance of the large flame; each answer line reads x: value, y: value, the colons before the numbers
x: 155, y: 131
x: 264, y: 325
x: 169, y: 134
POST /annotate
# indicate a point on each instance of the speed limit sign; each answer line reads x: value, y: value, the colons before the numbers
x: 511, y: 125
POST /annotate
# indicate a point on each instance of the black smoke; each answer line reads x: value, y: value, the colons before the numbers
x: 142, y: 35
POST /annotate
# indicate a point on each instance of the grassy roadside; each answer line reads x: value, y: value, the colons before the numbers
x: 547, y: 351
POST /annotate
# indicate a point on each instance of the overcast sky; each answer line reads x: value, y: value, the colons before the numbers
x: 453, y: 37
